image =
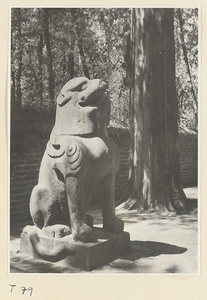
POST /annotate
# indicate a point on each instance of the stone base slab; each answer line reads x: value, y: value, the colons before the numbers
x: 66, y: 252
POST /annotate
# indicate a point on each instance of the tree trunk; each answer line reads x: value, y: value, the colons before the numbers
x: 19, y: 70
x: 154, y: 175
x: 13, y: 89
x: 83, y: 59
x: 13, y: 81
x: 71, y: 59
x: 75, y: 16
x: 40, y: 64
x: 71, y: 65
x: 49, y: 52
x: 32, y: 66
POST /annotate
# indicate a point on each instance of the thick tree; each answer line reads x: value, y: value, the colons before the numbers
x: 154, y: 176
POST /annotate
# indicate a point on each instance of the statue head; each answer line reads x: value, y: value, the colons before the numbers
x: 82, y: 107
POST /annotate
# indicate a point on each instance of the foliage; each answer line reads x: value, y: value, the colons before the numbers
x: 92, y: 42
x: 188, y: 104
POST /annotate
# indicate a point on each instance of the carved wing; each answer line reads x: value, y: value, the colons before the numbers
x: 74, y: 155
x: 67, y: 157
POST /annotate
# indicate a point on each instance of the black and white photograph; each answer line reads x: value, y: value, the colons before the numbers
x: 104, y: 119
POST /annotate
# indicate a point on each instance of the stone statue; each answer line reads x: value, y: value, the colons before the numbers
x: 79, y: 156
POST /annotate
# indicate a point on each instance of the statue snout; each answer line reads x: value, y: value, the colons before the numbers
x: 93, y: 92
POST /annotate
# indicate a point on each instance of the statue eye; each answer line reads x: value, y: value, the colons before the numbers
x: 84, y: 87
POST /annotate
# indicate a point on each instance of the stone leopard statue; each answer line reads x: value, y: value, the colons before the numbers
x: 79, y: 156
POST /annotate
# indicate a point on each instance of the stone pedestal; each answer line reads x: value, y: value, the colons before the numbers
x: 65, y: 251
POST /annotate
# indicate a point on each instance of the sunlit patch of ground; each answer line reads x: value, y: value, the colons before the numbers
x: 158, y: 244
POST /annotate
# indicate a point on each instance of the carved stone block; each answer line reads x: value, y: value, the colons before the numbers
x: 86, y: 256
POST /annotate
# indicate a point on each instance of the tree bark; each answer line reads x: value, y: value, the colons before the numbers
x: 154, y: 172
x: 71, y: 59
x: 83, y: 59
x: 40, y: 64
x: 33, y: 68
x: 49, y: 52
x: 13, y: 81
x: 13, y: 90
x: 20, y: 65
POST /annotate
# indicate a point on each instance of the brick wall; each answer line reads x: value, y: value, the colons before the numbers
x: 121, y: 138
x: 28, y: 142
x: 27, y: 145
x: 189, y: 159
x: 24, y: 173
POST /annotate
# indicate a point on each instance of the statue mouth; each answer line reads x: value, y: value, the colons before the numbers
x: 90, y: 103
x: 93, y: 94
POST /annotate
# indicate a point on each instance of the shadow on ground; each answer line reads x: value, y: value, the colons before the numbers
x: 140, y: 249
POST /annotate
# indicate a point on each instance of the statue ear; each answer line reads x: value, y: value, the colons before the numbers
x: 62, y: 99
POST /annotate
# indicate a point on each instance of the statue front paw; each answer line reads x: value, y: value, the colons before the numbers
x: 113, y: 224
x: 83, y: 233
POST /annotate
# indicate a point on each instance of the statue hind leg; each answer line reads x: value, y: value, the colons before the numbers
x: 44, y: 209
x: 47, y: 215
x: 37, y: 209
